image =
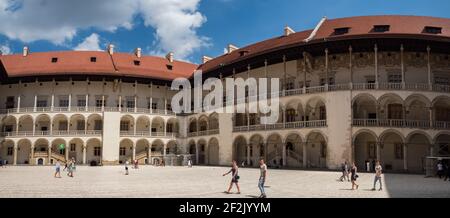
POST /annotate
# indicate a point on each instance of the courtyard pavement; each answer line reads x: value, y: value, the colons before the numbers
x: 205, y: 182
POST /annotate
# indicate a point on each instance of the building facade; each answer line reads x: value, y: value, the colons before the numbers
x: 355, y: 89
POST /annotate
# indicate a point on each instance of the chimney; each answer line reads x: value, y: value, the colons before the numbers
x: 25, y: 51
x: 206, y: 59
x: 288, y: 31
x: 232, y: 48
x: 110, y: 49
x: 138, y: 52
x: 169, y: 57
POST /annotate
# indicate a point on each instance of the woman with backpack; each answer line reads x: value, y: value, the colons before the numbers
x: 354, y: 176
x: 234, y: 178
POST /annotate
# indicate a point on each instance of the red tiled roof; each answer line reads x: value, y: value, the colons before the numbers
x: 359, y: 26
x: 79, y: 63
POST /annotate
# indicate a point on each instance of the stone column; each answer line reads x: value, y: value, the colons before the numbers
x: 15, y: 155
x: 87, y: 102
x: 197, y: 154
x: 353, y: 156
x: 149, y: 155
x: 32, y: 156
x: 402, y: 66
x: 52, y: 103
x: 284, y: 156
x: 326, y: 68
x: 379, y: 151
x: 164, y: 151
x: 405, y: 157
x: 18, y: 104
x: 49, y: 154
x: 430, y: 79
x: 350, y: 65
x: 84, y: 154
x: 305, y: 156
x: 135, y: 104
x: 69, y: 108
x: 35, y: 103
x: 120, y: 103
x: 376, y: 66
x: 248, y: 154
x: 134, y: 153
x: 66, y: 151
x: 430, y: 111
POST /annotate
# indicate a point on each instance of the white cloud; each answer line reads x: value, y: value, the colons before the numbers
x: 90, y: 43
x: 58, y: 21
x: 5, y: 49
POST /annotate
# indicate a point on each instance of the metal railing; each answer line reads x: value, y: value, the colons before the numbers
x: 280, y: 126
x: 399, y: 123
x: 85, y: 109
x: 52, y: 133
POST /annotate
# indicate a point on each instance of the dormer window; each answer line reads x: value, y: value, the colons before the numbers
x: 54, y: 60
x: 243, y: 53
x: 341, y: 31
x: 432, y: 30
x: 93, y: 59
x: 381, y: 28
x: 169, y: 67
x: 137, y: 63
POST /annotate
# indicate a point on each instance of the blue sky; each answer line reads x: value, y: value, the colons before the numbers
x: 190, y: 27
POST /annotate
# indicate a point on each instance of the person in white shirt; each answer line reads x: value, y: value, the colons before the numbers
x: 262, y: 178
x: 378, y: 172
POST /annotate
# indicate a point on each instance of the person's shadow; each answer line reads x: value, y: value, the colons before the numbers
x: 252, y: 196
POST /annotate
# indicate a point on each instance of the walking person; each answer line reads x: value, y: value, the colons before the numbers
x: 440, y: 169
x: 70, y: 168
x: 65, y: 166
x: 378, y: 172
x: 234, y: 178
x: 345, y: 172
x: 262, y: 178
x: 189, y: 163
x: 57, y: 170
x: 354, y: 176
x: 126, y: 168
x: 447, y: 172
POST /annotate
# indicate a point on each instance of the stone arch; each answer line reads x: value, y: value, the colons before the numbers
x: 143, y: 125
x: 193, y: 124
x: 9, y: 124
x: 417, y: 107
x: 60, y: 123
x: 364, y: 147
x: 316, y: 109
x: 392, y: 150
x: 94, y: 151
x: 203, y: 123
x: 391, y: 106
x: 316, y: 149
x: 127, y: 123
x: 43, y: 122
x: 240, y: 149
x: 214, y: 121
x: 126, y: 150
x: 158, y: 125
x: 213, y: 151
x: 24, y: 147
x: 364, y: 106
x: 294, y: 149
x: 75, y: 147
x: 418, y: 148
x: 26, y: 123
x: 202, y: 146
x: 94, y: 122
x: 172, y: 126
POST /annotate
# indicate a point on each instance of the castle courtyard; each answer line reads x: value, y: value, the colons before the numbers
x: 205, y: 182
